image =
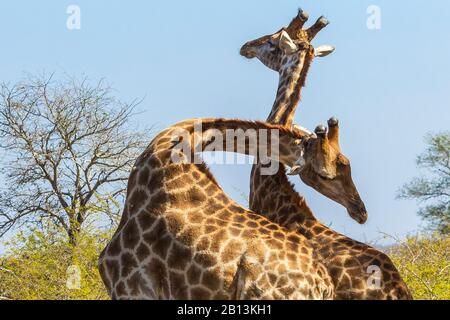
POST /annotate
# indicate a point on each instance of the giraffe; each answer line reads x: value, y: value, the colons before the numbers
x: 181, y: 237
x: 349, y: 262
x: 290, y: 53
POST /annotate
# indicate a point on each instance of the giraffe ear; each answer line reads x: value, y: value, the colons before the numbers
x: 286, y: 44
x: 323, y: 51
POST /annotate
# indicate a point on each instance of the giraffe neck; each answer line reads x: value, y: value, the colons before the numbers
x: 264, y: 189
x: 292, y: 79
x: 291, y: 209
x: 274, y: 143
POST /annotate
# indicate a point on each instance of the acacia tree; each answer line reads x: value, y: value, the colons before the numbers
x: 434, y: 189
x: 68, y: 151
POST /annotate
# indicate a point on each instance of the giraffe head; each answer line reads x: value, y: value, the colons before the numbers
x: 289, y: 46
x: 324, y: 168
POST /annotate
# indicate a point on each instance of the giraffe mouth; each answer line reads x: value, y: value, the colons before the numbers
x: 360, y: 218
x: 358, y: 213
x: 322, y: 176
x: 247, y: 52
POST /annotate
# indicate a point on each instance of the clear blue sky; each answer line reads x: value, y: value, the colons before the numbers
x: 388, y: 87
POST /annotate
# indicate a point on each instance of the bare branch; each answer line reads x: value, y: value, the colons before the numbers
x: 69, y: 146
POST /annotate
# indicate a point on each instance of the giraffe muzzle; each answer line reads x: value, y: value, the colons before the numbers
x: 247, y: 52
x: 358, y: 212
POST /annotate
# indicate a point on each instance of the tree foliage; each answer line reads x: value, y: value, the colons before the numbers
x: 424, y: 263
x: 43, y: 265
x: 68, y: 149
x: 433, y: 190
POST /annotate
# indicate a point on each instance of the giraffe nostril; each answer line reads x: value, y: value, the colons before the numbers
x: 247, y: 52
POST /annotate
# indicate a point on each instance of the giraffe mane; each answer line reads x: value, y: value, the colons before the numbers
x: 306, y: 67
x: 203, y: 167
x: 285, y: 130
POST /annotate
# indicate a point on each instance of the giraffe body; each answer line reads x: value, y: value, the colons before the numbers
x: 181, y: 237
x: 354, y: 267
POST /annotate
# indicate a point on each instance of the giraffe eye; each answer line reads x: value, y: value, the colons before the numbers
x: 272, y: 46
x: 307, y: 144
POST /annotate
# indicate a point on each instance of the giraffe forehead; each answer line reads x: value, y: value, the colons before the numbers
x: 301, y: 35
